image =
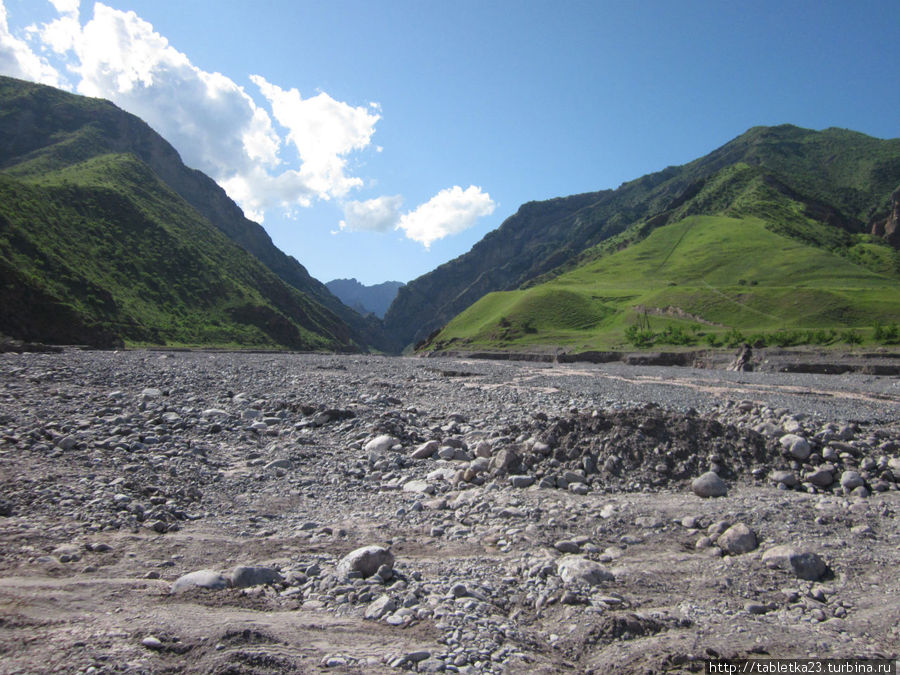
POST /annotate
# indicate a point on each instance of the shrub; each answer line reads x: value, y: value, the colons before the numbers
x: 734, y: 338
x: 851, y: 337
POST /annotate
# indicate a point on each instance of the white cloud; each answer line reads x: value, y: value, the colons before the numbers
x: 18, y: 60
x: 212, y: 121
x: 373, y: 215
x: 324, y: 131
x: 219, y: 128
x: 450, y: 211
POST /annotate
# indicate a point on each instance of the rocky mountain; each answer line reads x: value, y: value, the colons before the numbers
x: 837, y: 178
x: 373, y: 299
x: 92, y: 195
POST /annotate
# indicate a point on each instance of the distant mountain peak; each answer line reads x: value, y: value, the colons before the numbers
x: 374, y: 299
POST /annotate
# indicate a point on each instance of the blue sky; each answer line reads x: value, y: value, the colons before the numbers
x: 378, y: 140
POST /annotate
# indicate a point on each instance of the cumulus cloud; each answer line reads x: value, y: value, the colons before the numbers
x: 220, y: 129
x: 212, y: 121
x: 450, y: 211
x: 324, y: 131
x: 373, y: 215
x: 18, y: 60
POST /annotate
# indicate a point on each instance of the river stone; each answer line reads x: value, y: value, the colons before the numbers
x: 820, y: 477
x: 709, y: 485
x: 200, y: 579
x: 365, y: 560
x: 521, y: 481
x: 419, y: 486
x: 380, y: 444
x: 575, y: 569
x: 788, y: 478
x: 804, y: 563
x: 244, y: 576
x: 850, y: 480
x: 737, y: 539
x: 425, y: 450
x: 796, y: 445
x: 380, y: 607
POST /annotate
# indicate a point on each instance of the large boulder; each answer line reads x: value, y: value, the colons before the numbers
x: 709, y: 485
x: 365, y: 560
x: 200, y: 579
x: 574, y: 569
x: 244, y: 576
x: 801, y: 561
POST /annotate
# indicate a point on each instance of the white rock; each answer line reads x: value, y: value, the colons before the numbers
x: 419, y: 486
x: 574, y: 569
x: 380, y: 444
x: 365, y: 560
x: 200, y: 579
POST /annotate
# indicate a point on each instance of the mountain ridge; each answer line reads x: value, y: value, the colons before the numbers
x: 74, y: 170
x: 374, y: 299
x: 42, y: 127
x: 542, y: 238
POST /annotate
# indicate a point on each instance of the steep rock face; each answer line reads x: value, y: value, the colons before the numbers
x: 45, y: 128
x: 889, y: 228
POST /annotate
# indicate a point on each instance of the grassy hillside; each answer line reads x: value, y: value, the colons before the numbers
x: 44, y: 131
x: 102, y: 251
x: 834, y: 183
x: 700, y: 280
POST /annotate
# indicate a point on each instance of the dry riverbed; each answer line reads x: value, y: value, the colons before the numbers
x: 521, y: 518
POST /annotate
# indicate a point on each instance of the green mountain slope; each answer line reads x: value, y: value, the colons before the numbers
x: 698, y: 280
x: 834, y: 184
x: 43, y: 130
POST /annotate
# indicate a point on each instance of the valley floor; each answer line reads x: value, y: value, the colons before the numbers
x: 122, y: 471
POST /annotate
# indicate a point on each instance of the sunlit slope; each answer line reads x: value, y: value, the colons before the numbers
x: 707, y: 273
x: 101, y: 252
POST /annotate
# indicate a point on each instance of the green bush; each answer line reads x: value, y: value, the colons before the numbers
x: 851, y: 337
x: 734, y: 338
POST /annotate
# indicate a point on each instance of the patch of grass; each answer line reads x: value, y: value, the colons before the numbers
x: 735, y: 275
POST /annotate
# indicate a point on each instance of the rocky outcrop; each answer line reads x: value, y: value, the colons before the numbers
x: 889, y: 228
